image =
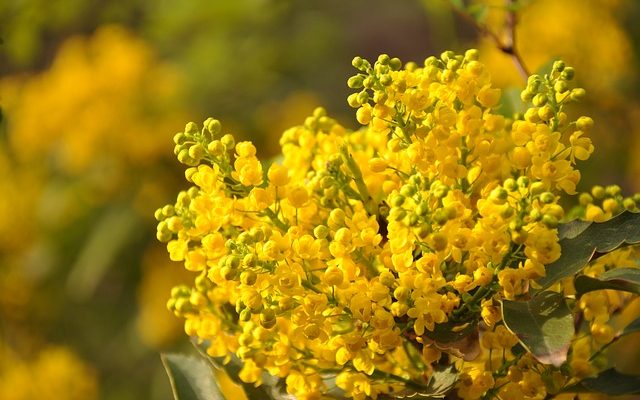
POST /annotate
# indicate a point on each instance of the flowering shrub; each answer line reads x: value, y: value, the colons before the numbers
x: 421, y: 255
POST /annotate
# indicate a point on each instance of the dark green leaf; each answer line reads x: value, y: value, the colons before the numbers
x: 452, y: 331
x: 581, y: 242
x: 572, y: 229
x: 191, y: 378
x: 623, y: 279
x: 544, y: 325
x: 609, y: 382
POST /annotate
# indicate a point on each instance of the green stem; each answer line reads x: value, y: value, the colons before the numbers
x: 357, y: 178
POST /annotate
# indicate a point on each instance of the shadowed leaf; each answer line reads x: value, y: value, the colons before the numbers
x: 272, y: 388
x: 544, y: 325
x: 609, y: 382
x: 441, y: 382
x: 191, y: 378
x: 581, y: 241
x: 623, y: 279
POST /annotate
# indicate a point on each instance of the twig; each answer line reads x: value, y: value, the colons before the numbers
x: 508, y: 45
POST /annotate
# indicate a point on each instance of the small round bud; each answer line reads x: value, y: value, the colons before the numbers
x: 584, y: 123
x: 506, y: 211
x: 395, y: 64
x: 560, y: 87
x: 357, y: 62
x: 408, y: 190
x: 613, y: 190
x: 352, y: 100
x: 321, y: 231
x: 216, y: 148
x: 585, y: 199
x: 545, y: 112
x: 363, y: 97
x: 537, y: 188
x: 422, y: 208
x: 245, y: 315
x: 547, y: 197
x: 228, y: 273
x: 228, y: 141
x: 386, y: 80
x: 453, y: 65
x: 384, y: 59
x: 196, y: 151
x: 355, y: 82
x: 531, y: 115
x: 248, y: 278
x: 523, y: 181
x: 197, y: 299
x: 191, y: 128
x: 578, y: 94
x: 568, y: 73
x: 558, y: 66
x: 598, y: 192
x: 179, y: 138
x: 535, y: 215
x: 499, y: 195
x: 539, y: 100
x: 550, y: 221
x: 510, y: 184
x: 445, y: 56
x: 629, y: 204
x: 526, y: 95
x: 213, y: 126
x: 268, y: 318
x: 397, y: 214
x: 471, y: 55
x: 398, y: 200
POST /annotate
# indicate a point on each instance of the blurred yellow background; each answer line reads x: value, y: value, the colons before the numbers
x: 91, y: 94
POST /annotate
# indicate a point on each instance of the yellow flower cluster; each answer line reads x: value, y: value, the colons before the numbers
x: 56, y: 373
x: 359, y: 254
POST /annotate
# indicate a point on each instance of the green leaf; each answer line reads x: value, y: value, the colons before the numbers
x: 478, y: 12
x: 610, y: 382
x: 109, y: 235
x: 623, y: 279
x: 271, y: 388
x: 452, y: 331
x: 544, y: 325
x: 511, y: 102
x: 459, y: 4
x: 572, y: 229
x: 191, y: 378
x: 581, y: 241
x: 633, y: 327
x: 441, y: 382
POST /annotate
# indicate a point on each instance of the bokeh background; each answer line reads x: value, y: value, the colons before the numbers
x: 91, y: 93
